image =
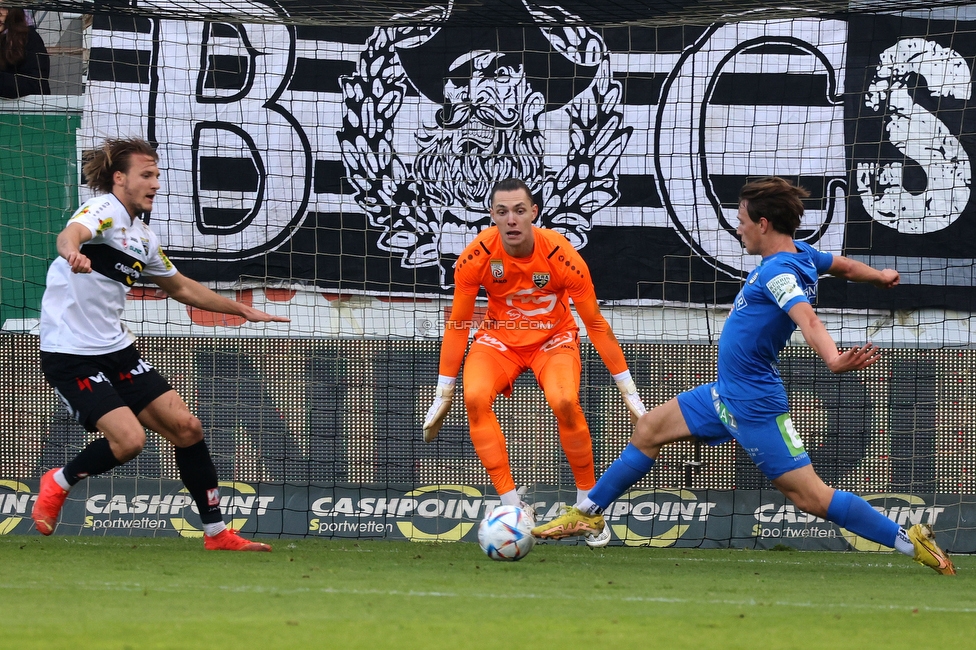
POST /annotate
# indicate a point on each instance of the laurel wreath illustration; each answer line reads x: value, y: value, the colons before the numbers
x: 397, y: 204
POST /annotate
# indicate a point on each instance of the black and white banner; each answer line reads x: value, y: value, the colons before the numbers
x: 360, y: 159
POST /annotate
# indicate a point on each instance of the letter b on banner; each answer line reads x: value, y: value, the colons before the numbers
x: 236, y: 163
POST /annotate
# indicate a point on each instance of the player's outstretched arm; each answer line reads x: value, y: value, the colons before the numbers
x: 845, y: 267
x: 817, y: 336
x: 190, y: 292
x: 452, y: 354
x: 598, y: 329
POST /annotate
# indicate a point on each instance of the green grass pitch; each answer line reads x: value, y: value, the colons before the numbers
x: 140, y: 593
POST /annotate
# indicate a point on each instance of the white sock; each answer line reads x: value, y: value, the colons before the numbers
x: 588, y: 507
x: 61, y: 480
x: 214, y: 529
x: 903, y: 544
x: 581, y: 494
x: 511, y: 498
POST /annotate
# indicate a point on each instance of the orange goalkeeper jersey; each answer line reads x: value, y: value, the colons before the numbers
x: 528, y: 298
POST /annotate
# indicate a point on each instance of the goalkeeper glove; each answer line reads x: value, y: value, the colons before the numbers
x: 628, y: 390
x: 437, y: 412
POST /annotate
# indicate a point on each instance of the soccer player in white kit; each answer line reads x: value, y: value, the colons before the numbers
x: 88, y: 355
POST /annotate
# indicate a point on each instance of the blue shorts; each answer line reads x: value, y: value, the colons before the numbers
x: 761, y: 427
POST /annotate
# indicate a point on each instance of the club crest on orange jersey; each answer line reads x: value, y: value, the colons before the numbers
x: 541, y: 279
x: 497, y: 269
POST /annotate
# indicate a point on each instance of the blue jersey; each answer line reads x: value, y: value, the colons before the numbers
x: 759, y: 326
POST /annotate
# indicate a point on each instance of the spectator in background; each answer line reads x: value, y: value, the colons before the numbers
x: 24, y: 62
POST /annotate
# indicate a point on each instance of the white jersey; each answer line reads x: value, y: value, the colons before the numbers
x: 81, y: 313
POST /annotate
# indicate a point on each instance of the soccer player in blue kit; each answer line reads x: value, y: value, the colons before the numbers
x: 748, y: 402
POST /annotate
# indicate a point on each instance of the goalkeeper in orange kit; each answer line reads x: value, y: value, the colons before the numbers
x: 529, y: 274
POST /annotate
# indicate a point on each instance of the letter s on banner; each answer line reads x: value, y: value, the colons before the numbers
x: 918, y: 135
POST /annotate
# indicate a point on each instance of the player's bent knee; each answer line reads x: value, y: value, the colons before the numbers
x: 128, y: 448
x: 809, y: 502
x: 189, y: 432
x: 478, y: 407
x: 566, y: 409
x: 812, y: 507
x: 648, y: 433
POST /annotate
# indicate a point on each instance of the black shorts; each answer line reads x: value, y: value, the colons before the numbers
x: 91, y: 386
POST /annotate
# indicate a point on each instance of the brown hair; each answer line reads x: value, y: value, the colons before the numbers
x: 13, y: 40
x: 509, y: 185
x: 114, y: 156
x: 776, y: 199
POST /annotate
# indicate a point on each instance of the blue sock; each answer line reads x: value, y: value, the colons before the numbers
x: 630, y: 467
x: 856, y: 515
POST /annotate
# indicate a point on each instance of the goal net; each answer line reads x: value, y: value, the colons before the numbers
x: 330, y: 161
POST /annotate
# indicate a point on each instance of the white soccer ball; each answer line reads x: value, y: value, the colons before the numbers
x: 506, y: 533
